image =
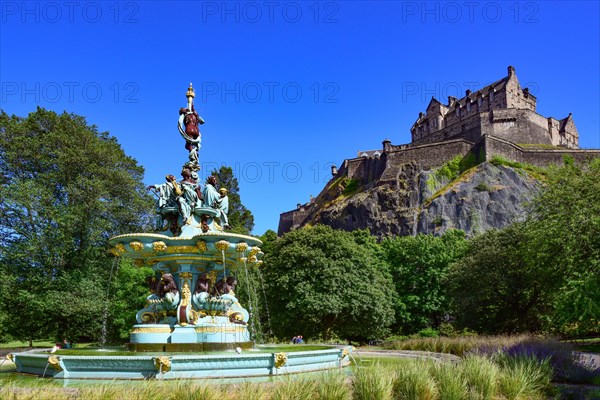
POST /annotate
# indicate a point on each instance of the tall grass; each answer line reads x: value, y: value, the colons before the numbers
x: 372, y: 383
x: 294, y: 389
x: 456, y: 345
x: 482, y: 376
x: 524, y: 377
x: 451, y: 382
x: 414, y: 382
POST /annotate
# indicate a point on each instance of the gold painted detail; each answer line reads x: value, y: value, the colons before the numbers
x: 212, y: 275
x: 242, y: 259
x: 190, y: 92
x: 148, y: 318
x: 201, y: 245
x: 159, y: 246
x: 186, y: 294
x: 222, y: 245
x: 136, y: 246
x: 254, y: 251
x: 280, y: 360
x: 182, y: 249
x: 10, y: 357
x: 186, y: 275
x: 193, y: 316
x: 139, y: 263
x: 252, y: 259
x: 241, y: 247
x: 54, y: 362
x: 118, y: 250
x: 220, y: 329
x: 166, y: 329
x: 163, y: 364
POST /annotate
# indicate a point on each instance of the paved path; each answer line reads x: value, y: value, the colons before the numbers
x: 410, y: 354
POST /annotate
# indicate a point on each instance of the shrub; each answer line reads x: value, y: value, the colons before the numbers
x: 428, y: 332
x: 483, y: 187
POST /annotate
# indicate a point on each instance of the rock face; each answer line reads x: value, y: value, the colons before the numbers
x: 484, y: 197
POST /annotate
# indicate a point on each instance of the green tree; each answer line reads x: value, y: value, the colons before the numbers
x: 127, y: 295
x: 564, y: 238
x: 240, y: 218
x: 324, y: 283
x: 419, y: 265
x: 65, y: 189
x: 268, y: 238
x: 495, y: 290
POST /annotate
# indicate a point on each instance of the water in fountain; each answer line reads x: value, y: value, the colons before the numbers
x: 254, y: 320
x: 114, y: 266
x: 266, y: 303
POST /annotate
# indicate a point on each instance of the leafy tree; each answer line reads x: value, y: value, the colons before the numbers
x: 65, y: 189
x: 419, y: 265
x: 268, y: 238
x: 543, y: 273
x: 495, y: 290
x: 127, y: 295
x: 564, y: 237
x: 324, y: 283
x: 240, y: 218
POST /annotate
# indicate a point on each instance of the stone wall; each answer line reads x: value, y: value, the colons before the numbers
x: 541, y: 157
x: 428, y: 156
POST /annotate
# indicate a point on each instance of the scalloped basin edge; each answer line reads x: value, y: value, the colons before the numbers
x: 181, y: 366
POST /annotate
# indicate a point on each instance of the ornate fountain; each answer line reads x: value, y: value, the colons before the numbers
x: 192, y: 306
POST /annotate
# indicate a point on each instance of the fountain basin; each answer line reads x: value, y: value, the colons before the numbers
x: 180, y: 366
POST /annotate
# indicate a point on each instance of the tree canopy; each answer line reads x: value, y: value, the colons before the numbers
x: 240, y: 218
x: 65, y: 189
x: 419, y: 266
x: 324, y: 283
x: 542, y: 274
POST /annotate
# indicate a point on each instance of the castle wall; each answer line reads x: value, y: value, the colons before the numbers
x: 428, y: 155
x: 518, y: 126
x: 366, y: 169
x: 540, y: 157
x: 516, y: 97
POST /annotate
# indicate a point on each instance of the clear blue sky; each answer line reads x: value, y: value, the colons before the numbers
x: 288, y: 88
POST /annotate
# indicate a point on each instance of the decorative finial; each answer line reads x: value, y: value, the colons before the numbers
x: 190, y: 92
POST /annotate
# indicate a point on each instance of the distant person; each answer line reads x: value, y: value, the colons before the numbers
x: 300, y: 340
x: 66, y: 344
x: 295, y: 340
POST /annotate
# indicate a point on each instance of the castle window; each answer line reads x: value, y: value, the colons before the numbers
x: 492, y: 95
x: 480, y: 102
x: 469, y: 106
x: 457, y: 111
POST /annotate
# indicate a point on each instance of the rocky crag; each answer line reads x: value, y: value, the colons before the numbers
x: 489, y: 195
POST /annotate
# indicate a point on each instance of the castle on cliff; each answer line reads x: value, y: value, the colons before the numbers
x: 499, y: 119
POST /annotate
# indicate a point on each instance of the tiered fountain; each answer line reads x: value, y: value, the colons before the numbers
x: 192, y: 307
